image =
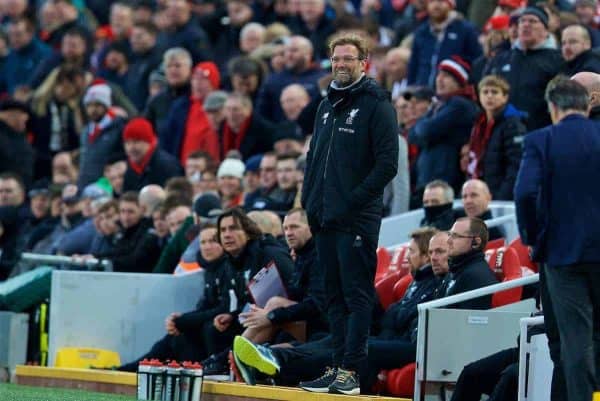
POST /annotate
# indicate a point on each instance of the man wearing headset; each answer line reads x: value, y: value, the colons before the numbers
x: 468, y: 269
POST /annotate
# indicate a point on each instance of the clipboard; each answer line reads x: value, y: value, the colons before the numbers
x: 265, y: 284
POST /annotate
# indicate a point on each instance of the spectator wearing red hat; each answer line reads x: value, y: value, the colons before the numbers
x: 146, y: 164
x: 443, y: 36
x: 529, y: 65
x: 446, y: 126
x: 495, y: 40
x: 189, y: 128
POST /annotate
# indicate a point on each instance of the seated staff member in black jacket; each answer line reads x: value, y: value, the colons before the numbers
x: 133, y: 230
x: 468, y: 268
x: 183, y: 340
x: 248, y: 250
x: 307, y: 292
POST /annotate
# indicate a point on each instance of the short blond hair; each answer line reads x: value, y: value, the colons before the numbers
x: 350, y: 39
x: 495, y: 81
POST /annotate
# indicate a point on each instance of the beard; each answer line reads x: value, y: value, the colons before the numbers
x: 343, y: 77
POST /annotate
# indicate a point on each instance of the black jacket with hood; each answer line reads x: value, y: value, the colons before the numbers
x: 257, y: 254
x: 215, y: 299
x: 353, y: 155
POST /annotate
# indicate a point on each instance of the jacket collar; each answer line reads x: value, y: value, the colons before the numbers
x: 458, y: 263
x: 423, y: 273
x: 339, y: 96
x: 307, y: 248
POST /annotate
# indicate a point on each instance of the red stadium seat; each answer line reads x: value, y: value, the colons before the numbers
x: 401, y: 286
x: 383, y: 263
x: 401, y: 382
x: 490, y: 257
x: 495, y: 243
x: 385, y: 289
x: 507, y: 267
x: 398, y: 260
x: 523, y: 252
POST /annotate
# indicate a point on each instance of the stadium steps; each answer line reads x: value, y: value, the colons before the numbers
x: 107, y: 381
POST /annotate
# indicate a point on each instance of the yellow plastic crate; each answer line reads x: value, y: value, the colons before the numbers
x: 85, y: 358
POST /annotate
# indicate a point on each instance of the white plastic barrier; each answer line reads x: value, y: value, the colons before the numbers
x: 123, y: 312
x: 13, y: 336
x: 448, y: 339
x: 535, y: 365
x: 396, y: 229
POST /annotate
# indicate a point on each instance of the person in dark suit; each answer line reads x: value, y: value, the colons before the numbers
x: 557, y: 213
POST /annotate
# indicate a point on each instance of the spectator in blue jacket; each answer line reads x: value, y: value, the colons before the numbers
x: 26, y: 53
x: 183, y: 31
x: 443, y: 35
x: 446, y: 126
x: 298, y: 69
x: 315, y: 22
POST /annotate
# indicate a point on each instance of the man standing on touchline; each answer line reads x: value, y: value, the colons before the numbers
x: 353, y: 155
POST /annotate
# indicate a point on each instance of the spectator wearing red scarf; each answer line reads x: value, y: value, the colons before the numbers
x: 146, y: 164
x: 189, y: 128
x: 496, y: 139
x: 101, y: 138
x: 244, y: 130
x: 445, y: 127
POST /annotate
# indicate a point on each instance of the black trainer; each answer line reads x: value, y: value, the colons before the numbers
x: 216, y: 367
x: 321, y: 384
x: 346, y: 382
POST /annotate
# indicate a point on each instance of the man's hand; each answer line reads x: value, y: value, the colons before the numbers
x: 256, y: 318
x: 170, y: 324
x: 223, y: 321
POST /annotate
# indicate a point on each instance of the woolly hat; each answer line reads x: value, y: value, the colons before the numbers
x: 497, y: 23
x: 98, y: 93
x: 208, y: 205
x: 139, y: 129
x: 231, y: 168
x: 215, y: 100
x: 210, y: 72
x: 253, y: 163
x: 457, y: 67
x: 538, y: 12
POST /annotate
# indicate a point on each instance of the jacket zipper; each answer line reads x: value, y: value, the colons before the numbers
x: 329, y: 148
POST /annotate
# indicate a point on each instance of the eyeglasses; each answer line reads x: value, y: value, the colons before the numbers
x: 455, y: 235
x: 345, y: 59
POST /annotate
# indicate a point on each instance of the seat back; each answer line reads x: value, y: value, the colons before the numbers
x: 401, y: 382
x: 507, y: 267
x: 385, y: 289
x: 401, y: 286
x: 383, y: 263
x: 523, y: 252
x: 398, y: 262
x: 495, y: 243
